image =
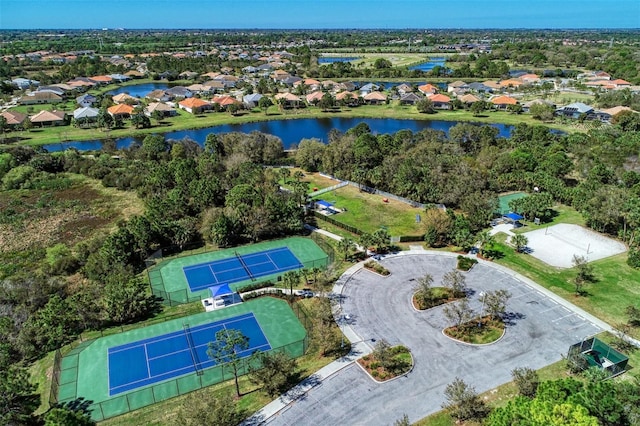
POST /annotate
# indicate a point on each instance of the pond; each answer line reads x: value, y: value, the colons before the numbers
x: 289, y: 131
x: 429, y: 65
x: 332, y: 59
x: 139, y: 90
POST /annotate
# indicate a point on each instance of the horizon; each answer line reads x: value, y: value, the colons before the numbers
x: 318, y: 15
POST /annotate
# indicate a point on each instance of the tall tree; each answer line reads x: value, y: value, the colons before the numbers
x: 227, y: 351
x: 463, y: 402
x: 275, y: 372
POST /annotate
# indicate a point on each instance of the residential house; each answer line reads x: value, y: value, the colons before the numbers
x: 428, y: 89
x: 200, y: 89
x: 49, y: 118
x: 187, y: 75
x: 215, y: 86
x: 40, y: 98
x: 469, y: 99
x: 530, y: 78
x: 85, y: 115
x: 225, y: 101
x: 368, y: 88
x: 163, y: 109
x: 314, y: 97
x: 291, y: 80
x: 119, y: 77
x: 440, y: 101
x: 24, y: 83
x: 101, y: 79
x: 288, y: 100
x: 458, y: 86
x: 575, y: 110
x: 511, y: 83
x: 375, y: 98
x: 329, y: 84
x: 403, y: 89
x: 134, y: 74
x: 179, y: 92
x: 86, y: 100
x: 125, y: 98
x: 348, y: 98
x: 409, y: 99
x: 120, y: 111
x: 14, y: 119
x: 480, y: 87
x: 612, y: 112
x: 194, y: 105
x: 251, y: 101
x: 158, y: 95
x: 503, y: 102
x: 493, y: 85
x: 53, y: 89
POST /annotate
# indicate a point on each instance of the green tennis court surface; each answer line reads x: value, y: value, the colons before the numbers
x: 169, y: 276
x: 505, y: 199
x: 85, y: 370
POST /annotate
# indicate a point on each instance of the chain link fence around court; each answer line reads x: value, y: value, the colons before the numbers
x: 65, y: 377
x: 178, y: 297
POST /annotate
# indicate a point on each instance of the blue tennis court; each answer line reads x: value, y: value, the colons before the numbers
x: 240, y: 268
x: 152, y: 360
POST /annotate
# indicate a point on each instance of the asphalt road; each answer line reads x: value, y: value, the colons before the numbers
x: 539, y: 332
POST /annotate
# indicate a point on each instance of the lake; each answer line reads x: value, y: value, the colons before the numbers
x: 139, y: 90
x: 332, y: 59
x: 428, y: 66
x: 289, y: 131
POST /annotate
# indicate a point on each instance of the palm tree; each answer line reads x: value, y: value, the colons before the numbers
x: 520, y: 242
x: 485, y: 239
x: 345, y: 246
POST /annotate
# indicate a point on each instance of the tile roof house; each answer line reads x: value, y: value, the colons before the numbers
x: 125, y: 98
x: 288, y: 100
x: 194, y: 105
x: 368, y: 88
x: 101, y: 79
x: 375, y: 98
x: 49, y: 118
x: 440, y: 101
x: 468, y: 99
x: 53, y: 89
x: 527, y: 105
x: 13, y: 118
x: 502, y: 102
x: 163, y: 109
x: 480, y: 87
x: 348, y: 98
x: 404, y: 88
x: 225, y: 101
x: 314, y: 97
x: 158, y: 95
x: 39, y: 98
x: 122, y: 111
x: 458, y: 86
x: 427, y: 89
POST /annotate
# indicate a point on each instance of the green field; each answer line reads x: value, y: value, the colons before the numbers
x: 170, y: 278
x: 85, y: 369
x: 368, y: 212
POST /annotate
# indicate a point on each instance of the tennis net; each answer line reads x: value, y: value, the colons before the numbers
x: 192, y: 349
x: 244, y: 265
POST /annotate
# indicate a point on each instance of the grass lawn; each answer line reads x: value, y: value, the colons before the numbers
x: 563, y: 214
x: 368, y: 212
x: 471, y: 332
x: 314, y: 180
x: 616, y: 287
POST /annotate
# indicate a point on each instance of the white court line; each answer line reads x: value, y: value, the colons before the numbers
x: 146, y: 355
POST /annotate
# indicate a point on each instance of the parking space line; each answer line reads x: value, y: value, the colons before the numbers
x: 561, y: 318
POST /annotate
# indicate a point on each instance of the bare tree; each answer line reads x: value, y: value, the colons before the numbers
x: 459, y: 312
x: 455, y: 281
x: 495, y: 302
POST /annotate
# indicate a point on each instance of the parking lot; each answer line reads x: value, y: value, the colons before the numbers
x: 539, y: 331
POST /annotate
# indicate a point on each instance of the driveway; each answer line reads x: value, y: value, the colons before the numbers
x: 539, y: 332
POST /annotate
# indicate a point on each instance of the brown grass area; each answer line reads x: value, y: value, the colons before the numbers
x: 43, y: 218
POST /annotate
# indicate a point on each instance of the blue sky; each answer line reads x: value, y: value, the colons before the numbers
x: 132, y: 14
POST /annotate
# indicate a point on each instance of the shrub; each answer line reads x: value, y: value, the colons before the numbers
x: 376, y: 267
x: 633, y: 258
x: 466, y: 263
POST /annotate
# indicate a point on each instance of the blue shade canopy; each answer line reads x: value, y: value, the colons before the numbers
x: 513, y: 216
x: 324, y: 204
x: 220, y: 290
